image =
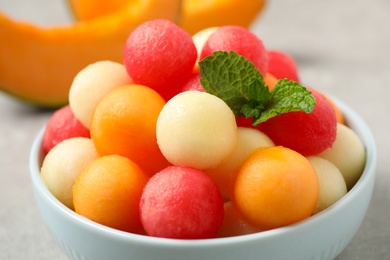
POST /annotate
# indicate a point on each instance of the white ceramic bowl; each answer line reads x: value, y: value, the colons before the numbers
x: 322, y: 236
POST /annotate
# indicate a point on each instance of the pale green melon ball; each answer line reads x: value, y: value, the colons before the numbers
x: 63, y: 164
x: 91, y: 84
x: 196, y: 129
x: 347, y: 154
x: 248, y: 140
x: 332, y: 185
x: 201, y: 37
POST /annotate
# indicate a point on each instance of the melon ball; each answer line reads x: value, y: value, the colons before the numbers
x: 62, y: 125
x: 234, y: 224
x: 91, y: 84
x: 240, y: 40
x: 200, y: 38
x: 306, y: 133
x: 181, y: 202
x: 331, y: 181
x: 281, y: 65
x: 63, y: 164
x: 161, y: 55
x: 193, y: 83
x: 347, y: 154
x: 196, y: 129
x: 248, y: 140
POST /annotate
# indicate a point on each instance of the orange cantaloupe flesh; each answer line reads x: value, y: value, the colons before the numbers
x: 195, y: 14
x: 200, y: 14
x: 88, y: 9
x: 38, y: 64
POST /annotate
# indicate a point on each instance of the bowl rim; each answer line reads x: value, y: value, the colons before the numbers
x: 354, y: 120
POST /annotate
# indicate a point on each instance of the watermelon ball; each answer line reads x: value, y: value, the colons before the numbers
x: 181, y: 202
x: 281, y: 65
x: 245, y: 122
x: 240, y: 40
x: 160, y: 55
x: 306, y: 133
x: 62, y: 125
x: 193, y: 83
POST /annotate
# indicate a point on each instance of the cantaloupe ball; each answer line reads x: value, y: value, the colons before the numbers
x: 64, y: 163
x: 347, y: 154
x: 234, y: 224
x: 91, y: 84
x: 332, y: 183
x: 196, y: 129
x: 248, y: 139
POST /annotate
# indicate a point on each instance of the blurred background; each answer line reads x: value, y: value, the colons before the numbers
x: 342, y: 47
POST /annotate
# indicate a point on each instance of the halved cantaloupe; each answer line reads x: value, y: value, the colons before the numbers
x: 88, y: 9
x: 38, y: 64
x: 195, y: 16
x: 200, y: 14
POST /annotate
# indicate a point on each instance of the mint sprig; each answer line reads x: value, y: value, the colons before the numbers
x: 236, y: 80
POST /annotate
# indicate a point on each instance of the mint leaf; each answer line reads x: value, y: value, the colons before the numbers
x: 232, y: 78
x: 287, y: 96
x: 236, y: 80
x: 258, y: 96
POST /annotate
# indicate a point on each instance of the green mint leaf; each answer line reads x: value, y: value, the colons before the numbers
x: 232, y: 78
x: 236, y: 80
x: 258, y: 96
x: 287, y: 96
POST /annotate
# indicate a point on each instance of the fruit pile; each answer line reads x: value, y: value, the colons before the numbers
x: 187, y: 139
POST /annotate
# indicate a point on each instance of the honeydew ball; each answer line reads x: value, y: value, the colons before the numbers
x: 91, y: 84
x: 64, y: 163
x: 196, y: 129
x: 248, y: 140
x: 347, y: 154
x: 332, y: 183
x: 200, y: 38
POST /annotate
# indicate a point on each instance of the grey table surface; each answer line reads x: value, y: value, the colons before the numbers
x: 342, y: 47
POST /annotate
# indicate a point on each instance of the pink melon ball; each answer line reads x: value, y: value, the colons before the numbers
x: 308, y: 134
x: 181, y: 202
x: 245, y: 122
x: 281, y: 65
x: 160, y: 55
x: 62, y: 125
x: 193, y: 83
x: 240, y: 40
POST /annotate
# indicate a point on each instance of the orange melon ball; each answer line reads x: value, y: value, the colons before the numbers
x: 109, y: 191
x: 339, y: 114
x: 91, y: 84
x: 248, y: 140
x: 275, y: 187
x: 270, y: 81
x: 124, y: 122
